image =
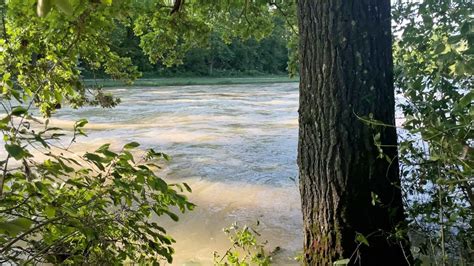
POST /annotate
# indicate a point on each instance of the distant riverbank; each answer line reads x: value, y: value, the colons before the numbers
x: 183, y: 81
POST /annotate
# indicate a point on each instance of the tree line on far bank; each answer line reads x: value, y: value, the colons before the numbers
x: 231, y: 57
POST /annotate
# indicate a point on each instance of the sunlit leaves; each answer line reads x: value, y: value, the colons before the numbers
x: 37, y: 49
x: 43, y: 7
x: 50, y: 212
x: 107, y: 2
x: 116, y: 201
x: 342, y: 262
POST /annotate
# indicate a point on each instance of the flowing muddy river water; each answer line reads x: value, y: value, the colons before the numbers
x: 234, y: 144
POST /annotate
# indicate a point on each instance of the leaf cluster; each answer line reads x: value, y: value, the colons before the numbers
x: 94, y: 209
x: 434, y: 66
x: 246, y: 248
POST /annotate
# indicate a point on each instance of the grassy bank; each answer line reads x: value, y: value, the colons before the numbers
x: 182, y: 81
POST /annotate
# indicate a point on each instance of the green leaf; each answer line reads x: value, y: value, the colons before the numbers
x: 165, y: 239
x: 4, y: 123
x: 360, y: 238
x: 93, y: 157
x: 65, y: 6
x: 188, y: 188
x: 14, y: 227
x: 19, y: 111
x: 166, y: 157
x: 375, y: 198
x: 131, y: 145
x: 342, y: 262
x: 466, y: 100
x: 157, y: 183
x: 466, y: 28
x: 43, y: 7
x: 80, y: 123
x: 104, y: 149
x: 96, y: 159
x: 16, y: 151
x: 50, y: 212
x: 440, y: 48
x: 70, y: 211
x: 172, y: 216
x: 43, y: 189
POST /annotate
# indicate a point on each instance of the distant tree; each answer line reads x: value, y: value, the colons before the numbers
x: 216, y: 56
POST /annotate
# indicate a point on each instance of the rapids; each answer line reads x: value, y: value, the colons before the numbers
x: 235, y: 145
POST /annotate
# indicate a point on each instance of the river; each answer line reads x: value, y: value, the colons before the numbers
x: 235, y: 145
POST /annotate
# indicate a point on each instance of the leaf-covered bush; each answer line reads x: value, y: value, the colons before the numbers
x: 434, y: 66
x: 95, y: 209
x: 247, y: 248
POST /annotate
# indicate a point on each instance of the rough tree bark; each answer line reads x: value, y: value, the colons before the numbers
x: 346, y: 71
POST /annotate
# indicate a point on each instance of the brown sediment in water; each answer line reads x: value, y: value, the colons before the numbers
x: 234, y: 145
x: 199, y: 233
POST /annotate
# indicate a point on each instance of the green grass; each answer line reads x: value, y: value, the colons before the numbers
x: 152, y: 82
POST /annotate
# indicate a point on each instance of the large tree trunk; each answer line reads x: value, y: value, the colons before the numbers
x: 345, y: 72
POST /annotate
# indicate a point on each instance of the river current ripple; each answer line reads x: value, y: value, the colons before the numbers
x: 235, y: 145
